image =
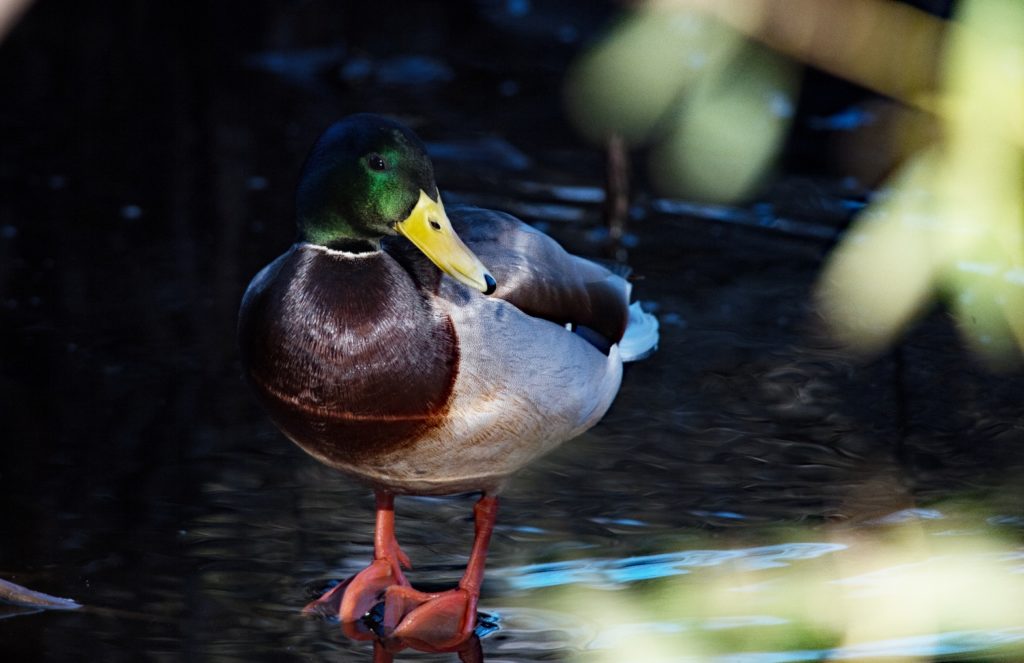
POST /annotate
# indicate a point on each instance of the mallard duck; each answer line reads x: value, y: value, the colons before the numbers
x: 382, y: 345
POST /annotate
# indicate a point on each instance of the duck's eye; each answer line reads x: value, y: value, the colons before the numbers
x: 376, y: 162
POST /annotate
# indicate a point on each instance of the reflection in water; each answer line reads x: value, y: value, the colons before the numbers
x: 468, y: 652
x: 918, y: 584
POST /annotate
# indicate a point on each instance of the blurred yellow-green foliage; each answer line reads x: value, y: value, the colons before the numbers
x: 714, y: 105
x: 919, y: 585
x: 709, y: 86
x: 949, y: 223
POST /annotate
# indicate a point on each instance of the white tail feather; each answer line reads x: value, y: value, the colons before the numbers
x: 641, y: 337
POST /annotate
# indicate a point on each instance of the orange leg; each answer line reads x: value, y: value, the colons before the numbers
x: 381, y: 655
x: 443, y: 621
x: 354, y: 597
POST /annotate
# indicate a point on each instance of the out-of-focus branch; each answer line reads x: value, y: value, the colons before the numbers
x: 616, y: 200
x: 10, y: 12
x: 24, y: 596
x: 885, y: 46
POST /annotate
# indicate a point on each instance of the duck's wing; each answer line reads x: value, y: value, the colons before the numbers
x: 540, y: 278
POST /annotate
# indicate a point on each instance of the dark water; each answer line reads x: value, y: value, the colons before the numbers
x: 149, y: 152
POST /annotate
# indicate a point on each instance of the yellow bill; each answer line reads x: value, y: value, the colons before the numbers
x: 430, y: 230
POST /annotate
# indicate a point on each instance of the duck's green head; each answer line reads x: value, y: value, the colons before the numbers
x: 368, y: 177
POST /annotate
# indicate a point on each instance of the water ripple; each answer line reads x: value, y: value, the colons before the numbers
x: 616, y: 572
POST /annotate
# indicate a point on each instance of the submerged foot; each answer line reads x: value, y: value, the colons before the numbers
x: 439, y: 621
x: 402, y: 615
x: 372, y: 605
x: 351, y: 599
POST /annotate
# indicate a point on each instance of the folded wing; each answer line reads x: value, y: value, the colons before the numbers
x: 540, y: 278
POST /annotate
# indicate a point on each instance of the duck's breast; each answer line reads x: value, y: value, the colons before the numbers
x: 349, y: 358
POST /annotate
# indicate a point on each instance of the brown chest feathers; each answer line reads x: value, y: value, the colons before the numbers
x: 347, y: 353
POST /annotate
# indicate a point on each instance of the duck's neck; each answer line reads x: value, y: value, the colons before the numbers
x: 331, y: 231
x: 351, y: 245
